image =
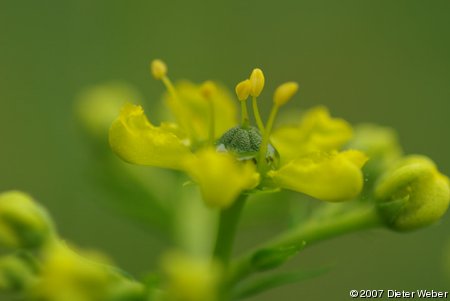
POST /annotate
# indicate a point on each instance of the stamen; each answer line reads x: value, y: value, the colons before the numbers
x: 158, y: 69
x: 159, y: 72
x: 265, y: 141
x: 285, y: 92
x: 208, y: 90
x: 242, y: 92
x: 258, y: 119
x: 256, y: 86
x: 282, y: 95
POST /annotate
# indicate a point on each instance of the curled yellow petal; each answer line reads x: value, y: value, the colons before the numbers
x: 316, y: 132
x: 332, y: 177
x: 192, y: 112
x: 221, y: 177
x: 134, y: 139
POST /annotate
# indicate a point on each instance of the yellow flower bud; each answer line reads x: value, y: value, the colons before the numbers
x: 256, y: 82
x: 17, y: 273
x: 380, y: 144
x: 23, y: 223
x: 66, y: 273
x: 191, y: 279
x: 284, y: 93
x: 243, y: 89
x: 158, y: 69
x: 98, y: 106
x: 412, y: 194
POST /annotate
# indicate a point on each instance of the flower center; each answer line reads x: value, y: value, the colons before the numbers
x: 244, y: 143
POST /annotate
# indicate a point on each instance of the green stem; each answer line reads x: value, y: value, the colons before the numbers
x: 245, y: 121
x: 228, y: 223
x: 309, y: 233
x: 257, y: 115
x: 262, y: 164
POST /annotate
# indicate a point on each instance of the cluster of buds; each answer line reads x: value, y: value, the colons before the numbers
x: 40, y: 266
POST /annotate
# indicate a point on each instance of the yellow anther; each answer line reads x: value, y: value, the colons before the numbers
x: 158, y: 69
x: 256, y: 82
x: 284, y: 93
x: 243, y: 89
x: 208, y: 89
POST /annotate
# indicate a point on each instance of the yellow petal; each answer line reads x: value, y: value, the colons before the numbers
x: 316, y: 132
x: 332, y: 177
x: 134, y: 139
x: 221, y: 177
x: 191, y: 110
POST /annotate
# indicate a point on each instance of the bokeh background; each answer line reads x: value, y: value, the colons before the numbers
x: 386, y: 62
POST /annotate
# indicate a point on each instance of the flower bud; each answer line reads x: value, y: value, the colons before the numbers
x: 412, y: 194
x: 243, y: 89
x: 256, y: 82
x: 17, y: 273
x: 158, y: 69
x: 284, y: 93
x: 23, y: 223
x: 191, y: 279
x: 98, y: 106
x: 380, y: 144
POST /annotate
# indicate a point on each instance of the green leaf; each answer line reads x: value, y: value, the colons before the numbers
x: 263, y: 284
x: 266, y: 259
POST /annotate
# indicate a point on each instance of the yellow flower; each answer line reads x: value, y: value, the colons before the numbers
x: 303, y: 157
x: 191, y: 111
x: 310, y: 160
x: 315, y: 132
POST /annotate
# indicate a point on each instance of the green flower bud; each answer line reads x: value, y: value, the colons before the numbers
x: 23, y: 223
x: 412, y: 194
x: 98, y: 106
x: 380, y: 144
x: 17, y: 273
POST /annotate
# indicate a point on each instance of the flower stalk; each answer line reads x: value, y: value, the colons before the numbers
x: 309, y: 233
x: 226, y: 232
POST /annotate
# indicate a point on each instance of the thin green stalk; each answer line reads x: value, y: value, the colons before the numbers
x: 245, y: 122
x: 309, y: 233
x: 257, y: 115
x: 228, y: 223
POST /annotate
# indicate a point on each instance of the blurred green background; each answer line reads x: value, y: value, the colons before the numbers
x: 386, y: 62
